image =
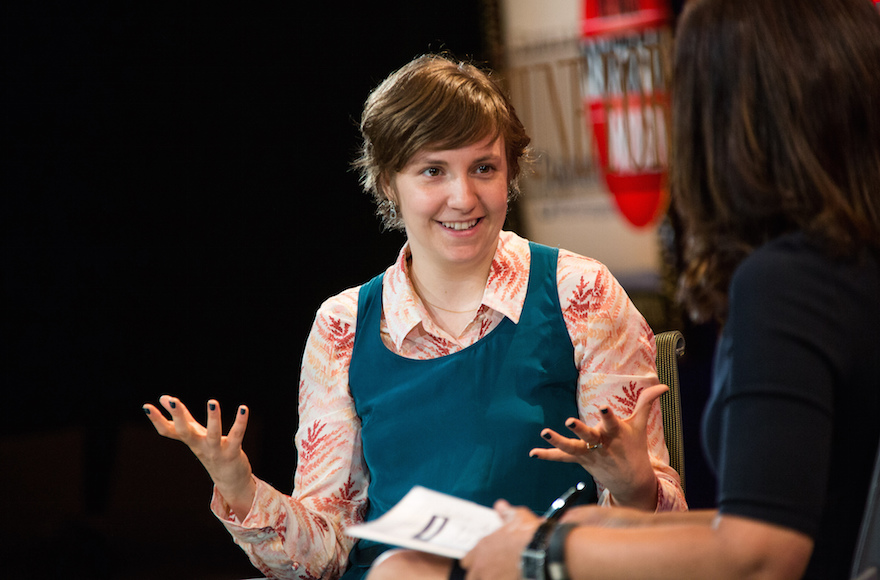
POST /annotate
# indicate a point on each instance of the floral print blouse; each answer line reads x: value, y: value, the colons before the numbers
x: 302, y: 535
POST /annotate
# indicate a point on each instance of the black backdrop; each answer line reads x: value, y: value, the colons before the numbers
x: 176, y: 203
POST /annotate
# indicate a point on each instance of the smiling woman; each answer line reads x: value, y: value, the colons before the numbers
x: 453, y: 204
x: 446, y: 369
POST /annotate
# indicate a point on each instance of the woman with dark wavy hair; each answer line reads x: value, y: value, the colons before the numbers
x: 776, y: 181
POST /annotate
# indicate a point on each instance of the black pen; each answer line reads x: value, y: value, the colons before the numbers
x: 565, y: 501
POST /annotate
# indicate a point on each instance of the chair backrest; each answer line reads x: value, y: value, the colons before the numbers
x: 670, y: 347
x: 866, y: 561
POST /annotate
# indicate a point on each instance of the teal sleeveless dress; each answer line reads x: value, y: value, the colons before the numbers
x: 464, y: 423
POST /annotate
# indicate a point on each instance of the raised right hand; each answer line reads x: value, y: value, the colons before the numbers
x: 222, y: 456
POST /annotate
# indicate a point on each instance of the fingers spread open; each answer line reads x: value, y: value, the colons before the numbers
x: 552, y: 455
x: 610, y: 424
x: 214, y: 426
x: 588, y: 440
x: 163, y: 426
x: 184, y: 425
x: 643, y: 406
x: 236, y: 432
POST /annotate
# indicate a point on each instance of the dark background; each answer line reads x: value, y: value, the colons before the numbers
x: 176, y: 203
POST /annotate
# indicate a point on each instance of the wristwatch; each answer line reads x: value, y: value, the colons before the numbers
x: 555, y: 560
x: 533, y: 562
x: 534, y: 558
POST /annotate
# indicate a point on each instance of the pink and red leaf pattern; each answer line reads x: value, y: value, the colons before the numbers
x: 301, y: 535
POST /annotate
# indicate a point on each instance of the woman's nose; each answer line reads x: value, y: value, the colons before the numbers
x: 463, y: 195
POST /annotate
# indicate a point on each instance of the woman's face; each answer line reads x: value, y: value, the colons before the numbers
x: 453, y: 203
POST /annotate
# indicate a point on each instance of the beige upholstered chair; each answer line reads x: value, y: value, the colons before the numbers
x: 670, y: 347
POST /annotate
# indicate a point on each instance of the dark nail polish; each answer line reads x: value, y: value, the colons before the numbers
x: 147, y: 411
x: 604, y: 411
x: 569, y: 423
x: 545, y: 435
x: 212, y: 406
x: 241, y: 411
x: 173, y: 405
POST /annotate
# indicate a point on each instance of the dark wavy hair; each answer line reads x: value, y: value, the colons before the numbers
x: 776, y: 128
x: 433, y: 102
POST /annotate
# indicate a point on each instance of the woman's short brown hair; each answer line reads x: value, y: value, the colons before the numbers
x: 439, y: 103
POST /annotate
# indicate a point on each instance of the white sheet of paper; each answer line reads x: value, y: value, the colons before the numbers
x: 431, y: 521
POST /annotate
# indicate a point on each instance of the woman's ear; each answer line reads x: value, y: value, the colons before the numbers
x: 388, y: 189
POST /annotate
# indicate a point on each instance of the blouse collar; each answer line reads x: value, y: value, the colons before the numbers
x: 505, y: 289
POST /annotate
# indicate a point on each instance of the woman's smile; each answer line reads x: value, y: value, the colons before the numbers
x: 459, y: 226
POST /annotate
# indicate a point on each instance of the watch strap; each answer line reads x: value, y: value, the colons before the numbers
x: 533, y: 559
x: 555, y: 560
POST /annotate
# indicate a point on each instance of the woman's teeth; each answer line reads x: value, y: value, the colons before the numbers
x: 460, y: 225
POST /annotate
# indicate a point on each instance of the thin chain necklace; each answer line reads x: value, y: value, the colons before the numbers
x: 448, y: 310
x: 423, y: 299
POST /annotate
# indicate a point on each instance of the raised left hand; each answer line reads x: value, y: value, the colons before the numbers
x: 615, y: 452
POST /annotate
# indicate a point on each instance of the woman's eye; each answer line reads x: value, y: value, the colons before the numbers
x: 484, y: 168
x: 432, y: 171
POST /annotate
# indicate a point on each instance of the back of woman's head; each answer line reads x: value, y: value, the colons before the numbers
x: 437, y: 103
x: 776, y: 128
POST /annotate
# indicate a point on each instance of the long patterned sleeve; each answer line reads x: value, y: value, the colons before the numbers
x: 615, y: 355
x: 301, y: 535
